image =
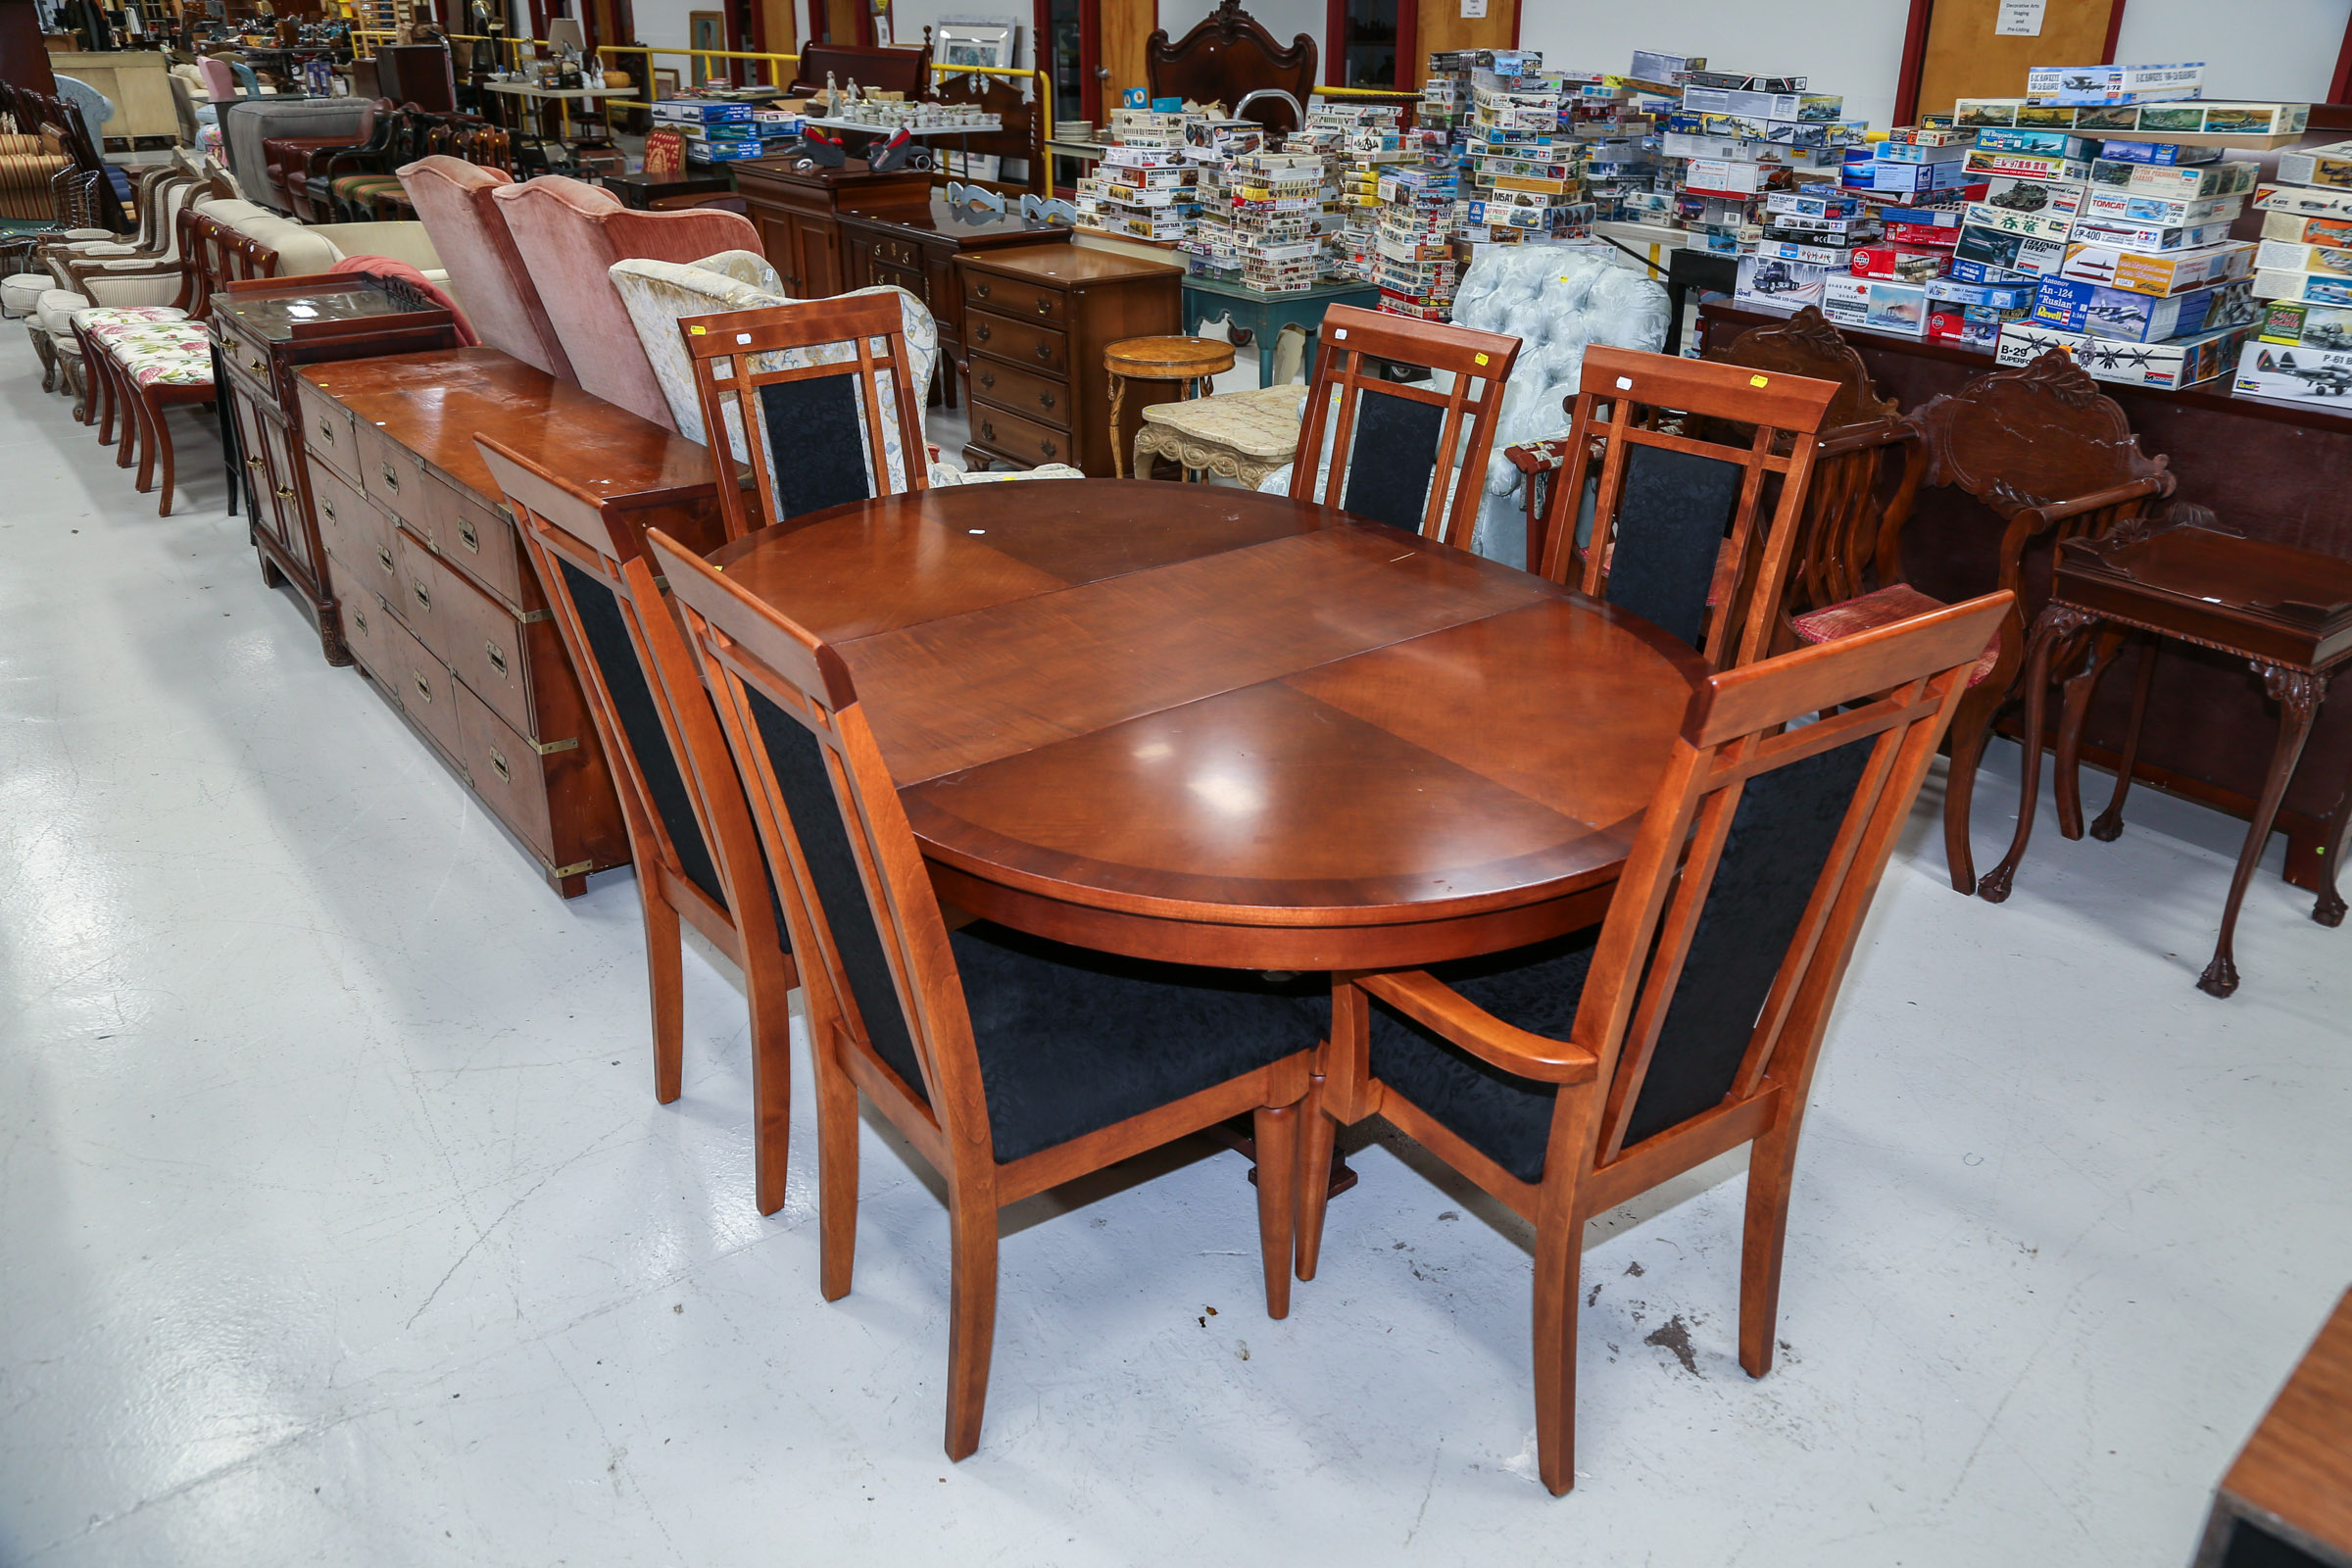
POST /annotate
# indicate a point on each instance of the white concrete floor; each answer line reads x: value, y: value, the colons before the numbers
x: 339, y: 1223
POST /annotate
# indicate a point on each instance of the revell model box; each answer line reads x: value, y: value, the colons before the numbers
x: 2107, y: 204
x: 2160, y: 273
x: 2292, y: 321
x: 2073, y: 306
x: 2009, y: 220
x: 2027, y: 166
x: 2183, y: 361
x: 2303, y: 199
x: 2020, y: 195
x: 2168, y: 153
x: 2316, y: 288
x: 1876, y: 305
x: 1788, y: 284
x: 2329, y: 165
x: 2040, y: 143
x: 1901, y: 264
x: 2300, y: 376
x: 2014, y: 252
x: 2307, y: 230
x: 2175, y: 184
x: 2149, y: 238
x: 2286, y: 256
x: 2115, y: 85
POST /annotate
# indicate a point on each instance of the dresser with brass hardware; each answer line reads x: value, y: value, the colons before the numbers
x: 440, y: 605
x: 1036, y: 320
x: 798, y: 213
x: 264, y: 331
x: 916, y: 248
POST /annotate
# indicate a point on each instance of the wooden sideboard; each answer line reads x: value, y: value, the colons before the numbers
x: 2287, y: 1500
x: 2267, y: 470
x: 799, y: 215
x: 1036, y: 318
x: 264, y: 331
x: 916, y: 248
x: 440, y: 605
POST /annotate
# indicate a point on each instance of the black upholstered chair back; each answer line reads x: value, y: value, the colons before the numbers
x: 822, y: 391
x: 1688, y: 533
x: 1396, y: 446
x: 1731, y: 925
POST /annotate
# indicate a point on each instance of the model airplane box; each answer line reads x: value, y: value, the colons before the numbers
x: 1876, y: 305
x: 2115, y: 85
x: 2110, y: 206
x: 2161, y: 272
x: 1788, y: 285
x: 2298, y: 230
x: 2073, y: 306
x: 2037, y: 143
x: 2175, y: 183
x: 2313, y: 288
x: 1985, y: 163
x: 2303, y: 200
x: 2011, y: 253
x: 2157, y: 152
x: 1999, y: 297
x: 2299, y: 375
x: 2212, y: 118
x: 2149, y: 238
x: 1966, y: 328
x: 2329, y: 165
x: 2286, y: 256
x: 2183, y: 361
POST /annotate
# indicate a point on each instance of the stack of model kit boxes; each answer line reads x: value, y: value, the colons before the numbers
x: 1274, y: 206
x: 1145, y: 187
x: 1733, y: 138
x: 2303, y: 349
x: 1522, y: 177
x: 1414, y: 260
x: 1372, y: 146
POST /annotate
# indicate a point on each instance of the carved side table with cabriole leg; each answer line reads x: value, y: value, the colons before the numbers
x: 2286, y: 612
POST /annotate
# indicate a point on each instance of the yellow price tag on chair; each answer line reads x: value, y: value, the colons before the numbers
x: 1759, y: 381
x: 1482, y: 358
x: 698, y: 331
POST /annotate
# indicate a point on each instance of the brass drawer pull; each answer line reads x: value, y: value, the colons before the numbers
x: 390, y: 478
x: 498, y: 765
x: 988, y: 378
x: 254, y: 462
x: 981, y: 332
x: 327, y: 431
x: 424, y: 597
x: 468, y: 537
x: 1048, y: 447
x: 1045, y: 305
x: 385, y: 555
x: 285, y: 492
x: 497, y: 657
x: 1045, y: 351
x: 423, y: 688
x: 359, y: 618
x: 328, y: 507
x: 988, y: 431
x: 1045, y: 400
x: 981, y: 289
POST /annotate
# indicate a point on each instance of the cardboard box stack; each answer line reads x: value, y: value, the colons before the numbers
x: 1145, y: 187
x: 1734, y: 138
x: 2303, y: 281
x: 720, y: 132
x: 1522, y: 173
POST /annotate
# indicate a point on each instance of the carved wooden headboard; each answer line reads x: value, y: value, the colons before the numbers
x: 1229, y: 54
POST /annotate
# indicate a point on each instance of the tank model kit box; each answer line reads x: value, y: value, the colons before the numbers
x: 2299, y: 375
x: 2162, y: 272
x: 2294, y: 322
x: 2182, y: 362
x: 2073, y: 306
x: 2015, y: 194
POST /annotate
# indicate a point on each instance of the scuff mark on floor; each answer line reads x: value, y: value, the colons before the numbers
x: 1673, y: 1336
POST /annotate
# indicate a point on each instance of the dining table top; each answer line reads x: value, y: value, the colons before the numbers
x: 1223, y: 727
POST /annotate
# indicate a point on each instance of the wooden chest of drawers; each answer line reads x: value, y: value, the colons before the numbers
x: 438, y: 603
x: 916, y: 248
x: 798, y: 214
x: 1037, y: 320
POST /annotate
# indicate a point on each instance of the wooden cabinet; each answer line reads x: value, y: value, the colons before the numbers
x: 438, y: 604
x: 915, y: 249
x: 264, y: 331
x: 1036, y: 321
x: 798, y: 214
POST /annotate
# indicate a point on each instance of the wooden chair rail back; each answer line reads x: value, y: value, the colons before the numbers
x: 1617, y: 412
x: 1352, y: 346
x: 833, y: 339
x: 2034, y: 437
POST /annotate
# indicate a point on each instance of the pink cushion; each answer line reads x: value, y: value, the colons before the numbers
x: 1884, y: 608
x: 569, y: 235
x: 220, y: 83
x: 468, y: 232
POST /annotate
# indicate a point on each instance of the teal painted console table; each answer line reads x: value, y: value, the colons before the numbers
x: 1208, y: 299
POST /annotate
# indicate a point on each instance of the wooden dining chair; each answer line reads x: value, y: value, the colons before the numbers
x: 690, y: 831
x: 1675, y: 535
x: 1567, y: 1077
x: 826, y: 387
x: 1010, y: 1062
x: 2053, y: 458
x: 1402, y: 453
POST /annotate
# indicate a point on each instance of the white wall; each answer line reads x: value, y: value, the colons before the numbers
x: 2281, y: 50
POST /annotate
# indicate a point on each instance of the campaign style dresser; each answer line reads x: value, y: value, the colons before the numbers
x: 916, y: 248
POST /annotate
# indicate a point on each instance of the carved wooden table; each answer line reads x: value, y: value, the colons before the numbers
x: 2286, y: 612
x: 1233, y: 729
x: 1191, y: 362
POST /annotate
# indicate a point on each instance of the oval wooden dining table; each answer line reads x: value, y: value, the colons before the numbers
x: 1209, y: 725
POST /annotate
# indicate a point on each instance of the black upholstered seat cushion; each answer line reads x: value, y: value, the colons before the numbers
x: 1071, y: 1041
x: 1503, y: 1116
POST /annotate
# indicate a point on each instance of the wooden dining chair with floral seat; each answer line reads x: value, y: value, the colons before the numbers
x: 1400, y: 452
x: 691, y: 839
x: 1009, y: 1062
x: 2053, y: 458
x: 1680, y: 533
x: 826, y: 389
x: 1568, y: 1077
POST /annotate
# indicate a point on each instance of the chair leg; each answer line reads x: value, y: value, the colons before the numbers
x: 1771, y: 1169
x: 2110, y: 823
x: 101, y: 386
x: 771, y: 1085
x: 2080, y: 688
x: 665, y: 967
x: 1559, y: 1259
x: 46, y: 352
x: 1970, y: 728
x: 836, y: 1163
x: 1317, y: 1132
x: 2058, y: 625
x: 149, y: 415
x: 1275, y: 1130
x: 971, y: 1317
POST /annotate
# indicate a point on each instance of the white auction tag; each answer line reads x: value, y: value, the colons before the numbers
x: 2020, y: 18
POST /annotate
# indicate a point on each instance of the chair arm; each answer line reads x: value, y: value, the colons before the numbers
x: 1538, y: 457
x: 1861, y: 437
x: 78, y: 271
x: 2060, y: 510
x: 1428, y: 1001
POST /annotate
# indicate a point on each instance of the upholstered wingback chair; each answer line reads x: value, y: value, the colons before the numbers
x: 469, y: 230
x: 569, y: 235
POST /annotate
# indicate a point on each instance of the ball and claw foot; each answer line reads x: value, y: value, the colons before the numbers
x: 2108, y: 828
x: 2330, y: 910
x: 1993, y: 886
x: 2220, y: 978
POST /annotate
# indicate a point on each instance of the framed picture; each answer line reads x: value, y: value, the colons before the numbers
x: 976, y: 41
x: 706, y: 30
x: 665, y: 82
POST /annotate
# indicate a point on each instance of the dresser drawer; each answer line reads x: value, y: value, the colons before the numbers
x: 420, y: 602
x: 1025, y: 393
x: 365, y: 618
x: 508, y: 773
x: 389, y: 473
x: 327, y: 429
x: 248, y: 362
x: 1018, y: 438
x: 477, y: 538
x: 354, y: 530
x: 517, y: 665
x: 1024, y: 343
x: 1013, y: 298
x: 422, y: 684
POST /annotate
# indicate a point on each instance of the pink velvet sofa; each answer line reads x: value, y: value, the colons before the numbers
x: 486, y: 271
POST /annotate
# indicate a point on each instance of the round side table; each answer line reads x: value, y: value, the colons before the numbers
x: 1189, y: 361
